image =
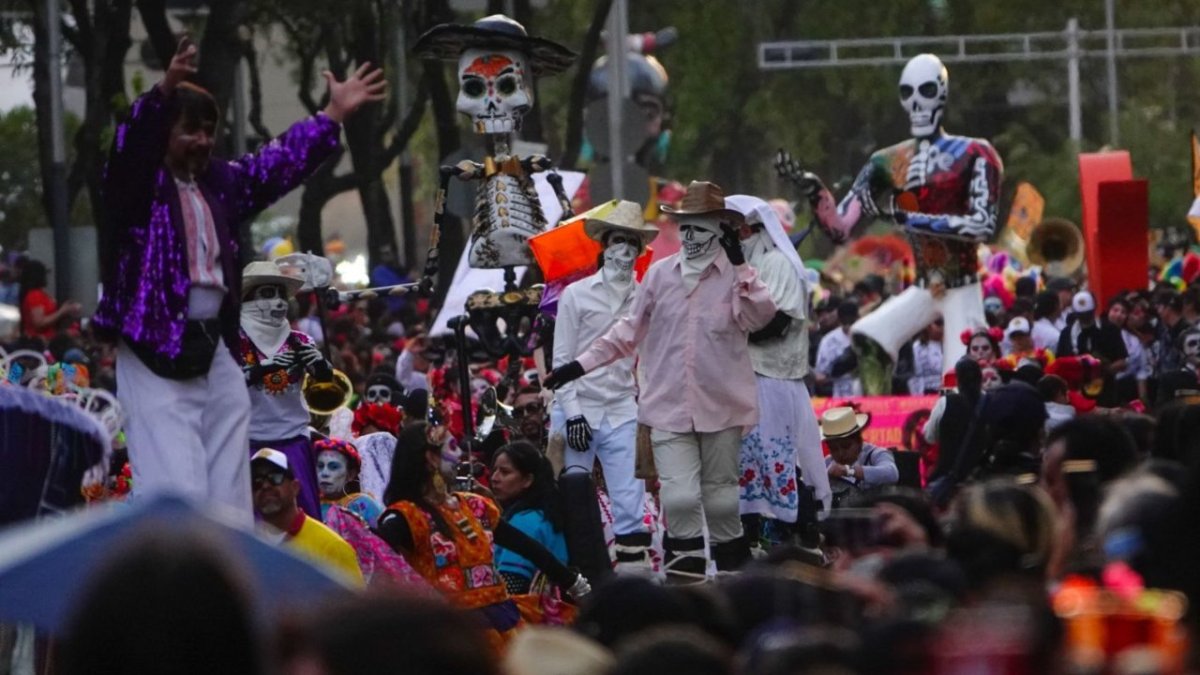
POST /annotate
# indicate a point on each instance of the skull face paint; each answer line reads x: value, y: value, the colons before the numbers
x: 980, y: 349
x: 1191, y: 347
x: 378, y: 393
x: 494, y: 90
x: 333, y: 472
x: 698, y: 237
x: 924, y: 85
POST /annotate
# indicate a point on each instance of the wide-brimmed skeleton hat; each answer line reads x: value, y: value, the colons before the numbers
x: 265, y: 273
x: 701, y: 199
x: 448, y: 41
x: 626, y: 217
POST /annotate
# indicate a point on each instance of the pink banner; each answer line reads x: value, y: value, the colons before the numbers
x: 889, y: 415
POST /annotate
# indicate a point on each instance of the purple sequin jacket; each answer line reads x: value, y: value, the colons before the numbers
x: 146, y: 287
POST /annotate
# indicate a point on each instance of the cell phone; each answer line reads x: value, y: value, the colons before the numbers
x: 853, y: 529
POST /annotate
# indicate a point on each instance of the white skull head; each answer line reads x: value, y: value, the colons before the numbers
x: 495, y: 89
x: 698, y: 236
x: 378, y: 393
x: 333, y: 472
x: 924, y: 85
x: 268, y: 303
x: 620, y: 252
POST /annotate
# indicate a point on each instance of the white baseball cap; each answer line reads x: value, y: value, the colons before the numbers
x: 1083, y: 302
x: 273, y: 456
x: 1019, y: 324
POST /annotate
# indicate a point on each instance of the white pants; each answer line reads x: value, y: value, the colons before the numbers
x: 899, y: 319
x: 188, y: 437
x: 617, y: 451
x: 698, y: 482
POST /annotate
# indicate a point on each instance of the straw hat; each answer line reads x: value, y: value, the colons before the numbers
x: 539, y: 650
x: 626, y: 217
x: 264, y: 273
x: 842, y: 422
x: 448, y: 41
x: 703, y: 198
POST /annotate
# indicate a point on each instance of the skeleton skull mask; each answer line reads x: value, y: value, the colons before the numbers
x: 495, y: 89
x: 698, y: 237
x: 924, y: 85
x: 378, y: 393
x: 268, y: 304
x: 620, y: 252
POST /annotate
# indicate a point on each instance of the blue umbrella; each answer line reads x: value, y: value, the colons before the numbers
x: 45, y: 566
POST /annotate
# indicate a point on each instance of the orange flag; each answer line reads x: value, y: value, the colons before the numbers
x: 1193, y: 215
x: 1027, y: 207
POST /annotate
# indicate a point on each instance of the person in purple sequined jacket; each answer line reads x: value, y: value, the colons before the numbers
x: 172, y: 284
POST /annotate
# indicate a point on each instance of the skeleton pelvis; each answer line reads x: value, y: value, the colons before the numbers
x: 507, y: 214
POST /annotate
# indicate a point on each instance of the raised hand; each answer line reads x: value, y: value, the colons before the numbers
x: 807, y: 182
x: 366, y: 85
x: 732, y: 244
x: 182, y: 66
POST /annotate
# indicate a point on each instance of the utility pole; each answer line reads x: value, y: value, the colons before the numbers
x: 1069, y: 45
x: 618, y: 91
x: 1114, y: 132
x: 56, y: 191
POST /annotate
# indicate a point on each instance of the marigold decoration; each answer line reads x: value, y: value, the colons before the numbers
x: 276, y: 382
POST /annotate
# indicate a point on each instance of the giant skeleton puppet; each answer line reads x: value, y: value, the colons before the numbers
x: 497, y: 63
x: 942, y: 190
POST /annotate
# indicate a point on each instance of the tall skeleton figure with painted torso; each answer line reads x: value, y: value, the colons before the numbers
x: 942, y: 190
x: 497, y: 63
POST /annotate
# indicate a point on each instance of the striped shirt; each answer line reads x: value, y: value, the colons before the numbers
x: 204, y: 249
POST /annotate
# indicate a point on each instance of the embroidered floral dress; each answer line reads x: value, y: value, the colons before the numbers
x: 460, y: 563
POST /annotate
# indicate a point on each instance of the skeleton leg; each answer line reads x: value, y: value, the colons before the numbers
x: 879, y: 335
x: 962, y: 309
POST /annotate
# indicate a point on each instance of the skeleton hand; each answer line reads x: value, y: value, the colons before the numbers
x: 579, y: 434
x: 285, y: 360
x: 312, y: 359
x: 807, y: 182
x: 580, y: 588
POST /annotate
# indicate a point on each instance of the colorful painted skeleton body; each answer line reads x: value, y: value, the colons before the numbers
x: 943, y: 191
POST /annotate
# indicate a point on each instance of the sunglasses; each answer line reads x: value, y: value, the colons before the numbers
x: 275, y: 478
x: 527, y: 409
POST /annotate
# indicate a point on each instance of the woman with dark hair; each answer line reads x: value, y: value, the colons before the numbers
x: 447, y: 537
x: 40, y: 314
x: 523, y: 483
x: 1132, y: 381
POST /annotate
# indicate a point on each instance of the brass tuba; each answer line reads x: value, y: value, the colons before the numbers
x: 323, y: 398
x: 1056, y: 244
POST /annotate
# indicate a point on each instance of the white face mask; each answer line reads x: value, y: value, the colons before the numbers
x: 698, y: 243
x: 264, y: 318
x: 619, y: 256
x: 333, y: 472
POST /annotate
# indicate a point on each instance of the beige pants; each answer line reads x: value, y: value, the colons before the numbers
x: 698, y: 477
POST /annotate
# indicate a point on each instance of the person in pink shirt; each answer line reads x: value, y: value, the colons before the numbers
x: 689, y: 325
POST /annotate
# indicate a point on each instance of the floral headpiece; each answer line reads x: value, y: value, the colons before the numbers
x: 338, y: 445
x: 994, y: 334
x: 385, y: 416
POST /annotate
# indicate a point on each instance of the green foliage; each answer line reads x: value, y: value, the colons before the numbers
x: 21, y: 180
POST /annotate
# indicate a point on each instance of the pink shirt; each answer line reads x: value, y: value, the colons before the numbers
x: 204, y: 250
x: 696, y: 371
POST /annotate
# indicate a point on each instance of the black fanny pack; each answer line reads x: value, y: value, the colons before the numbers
x: 199, y: 345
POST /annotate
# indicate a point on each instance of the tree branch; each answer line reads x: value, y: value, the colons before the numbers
x: 256, y: 108
x: 412, y: 121
x: 583, y: 70
x: 162, y: 38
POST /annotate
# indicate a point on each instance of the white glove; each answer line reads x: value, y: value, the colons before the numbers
x: 580, y: 588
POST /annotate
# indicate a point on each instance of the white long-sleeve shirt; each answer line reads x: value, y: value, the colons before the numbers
x: 833, y: 345
x: 586, y: 310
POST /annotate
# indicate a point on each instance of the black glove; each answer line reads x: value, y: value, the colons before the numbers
x: 778, y: 327
x: 732, y: 244
x: 560, y: 376
x: 579, y: 434
x: 312, y: 359
x: 845, y: 363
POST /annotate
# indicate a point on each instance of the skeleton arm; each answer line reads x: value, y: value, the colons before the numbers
x: 837, y: 220
x: 979, y: 223
x: 538, y: 163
